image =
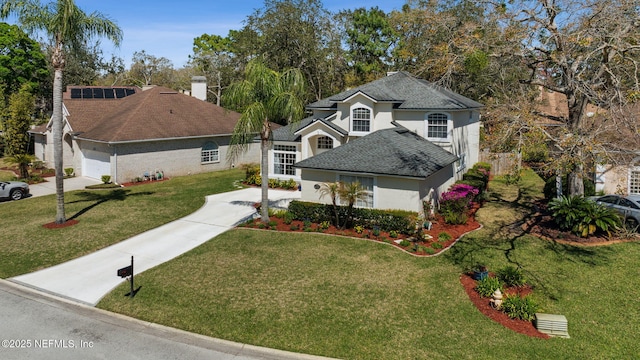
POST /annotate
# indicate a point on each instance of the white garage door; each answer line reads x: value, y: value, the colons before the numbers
x: 95, y: 164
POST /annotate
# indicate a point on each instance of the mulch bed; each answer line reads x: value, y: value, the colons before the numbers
x: 483, y: 305
x: 67, y: 223
x: 438, y: 226
x: 544, y: 227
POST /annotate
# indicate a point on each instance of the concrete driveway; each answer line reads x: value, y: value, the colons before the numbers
x: 87, y: 279
x: 49, y: 187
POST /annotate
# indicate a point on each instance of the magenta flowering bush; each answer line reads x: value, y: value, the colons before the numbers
x: 455, y: 202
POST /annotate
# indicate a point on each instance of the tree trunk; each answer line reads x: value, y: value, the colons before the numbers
x: 56, y: 129
x: 264, y: 174
x: 575, y: 182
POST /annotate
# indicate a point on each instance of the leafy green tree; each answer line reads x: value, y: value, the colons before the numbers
x: 298, y: 34
x: 459, y: 45
x: 21, y: 108
x: 263, y: 97
x: 147, y: 69
x: 587, y: 51
x: 66, y: 25
x: 369, y: 40
x: 214, y: 57
x: 84, y: 64
x: 21, y: 60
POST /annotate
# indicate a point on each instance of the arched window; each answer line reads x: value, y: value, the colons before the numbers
x: 361, y: 120
x: 209, y: 153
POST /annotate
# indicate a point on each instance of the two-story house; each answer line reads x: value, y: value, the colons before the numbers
x: 403, y: 139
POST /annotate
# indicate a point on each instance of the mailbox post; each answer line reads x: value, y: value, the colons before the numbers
x: 128, y: 271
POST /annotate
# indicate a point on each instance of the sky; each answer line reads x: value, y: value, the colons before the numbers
x: 166, y: 28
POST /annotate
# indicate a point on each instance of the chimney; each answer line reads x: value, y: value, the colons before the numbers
x: 199, y: 87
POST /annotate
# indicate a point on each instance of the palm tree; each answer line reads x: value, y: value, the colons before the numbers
x: 23, y: 161
x: 350, y: 193
x: 332, y: 190
x: 263, y: 97
x: 67, y: 26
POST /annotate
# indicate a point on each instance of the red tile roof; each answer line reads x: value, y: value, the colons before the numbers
x: 157, y: 113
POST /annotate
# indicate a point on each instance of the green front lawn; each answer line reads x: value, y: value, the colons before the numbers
x: 355, y: 299
x: 105, y: 217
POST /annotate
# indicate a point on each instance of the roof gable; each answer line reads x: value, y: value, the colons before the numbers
x: 157, y: 113
x: 397, y: 152
x: 292, y: 132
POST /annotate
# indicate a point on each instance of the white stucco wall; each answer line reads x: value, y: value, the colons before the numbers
x: 389, y: 192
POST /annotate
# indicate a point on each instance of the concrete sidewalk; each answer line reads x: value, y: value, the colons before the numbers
x: 87, y: 279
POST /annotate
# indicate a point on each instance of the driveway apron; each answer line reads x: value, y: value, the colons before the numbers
x: 87, y: 279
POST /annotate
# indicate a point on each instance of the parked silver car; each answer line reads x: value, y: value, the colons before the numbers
x: 627, y: 206
x: 13, y: 190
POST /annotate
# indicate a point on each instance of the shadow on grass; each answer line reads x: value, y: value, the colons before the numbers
x: 505, y: 240
x: 101, y: 197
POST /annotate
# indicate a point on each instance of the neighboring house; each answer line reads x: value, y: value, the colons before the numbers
x: 404, y: 139
x: 126, y: 132
x: 618, y: 129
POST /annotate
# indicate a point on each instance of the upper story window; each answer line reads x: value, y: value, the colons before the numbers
x: 210, y: 153
x: 325, y: 142
x: 361, y: 120
x: 438, y: 127
x: 284, y: 156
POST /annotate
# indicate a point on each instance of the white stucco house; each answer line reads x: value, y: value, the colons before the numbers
x: 404, y: 139
x: 127, y: 132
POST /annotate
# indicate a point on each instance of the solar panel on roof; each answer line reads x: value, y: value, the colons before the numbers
x: 108, y: 93
x: 120, y: 93
x: 98, y: 93
x: 87, y: 93
x: 130, y: 91
x: 76, y: 93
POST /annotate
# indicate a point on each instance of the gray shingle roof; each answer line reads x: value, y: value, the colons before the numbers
x: 288, y: 133
x: 407, y: 90
x: 395, y: 151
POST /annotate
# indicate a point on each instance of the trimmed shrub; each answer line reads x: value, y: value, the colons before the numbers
x: 583, y: 217
x: 106, y: 179
x: 444, y: 236
x: 487, y: 286
x: 511, y: 276
x: 385, y: 220
x: 517, y: 307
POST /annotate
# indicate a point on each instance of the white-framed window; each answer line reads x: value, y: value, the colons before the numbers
x: 325, y: 142
x: 284, y: 156
x: 367, y: 184
x: 209, y: 153
x: 361, y: 119
x: 438, y: 127
x: 461, y: 164
x: 634, y: 180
